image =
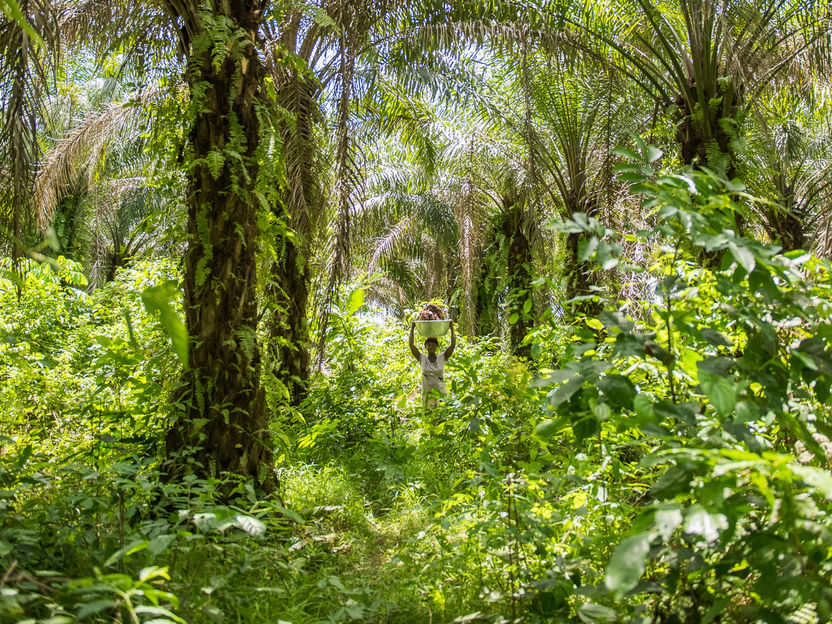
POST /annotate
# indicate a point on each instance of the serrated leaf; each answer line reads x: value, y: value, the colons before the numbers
x: 215, y: 160
x: 631, y: 177
x: 626, y: 152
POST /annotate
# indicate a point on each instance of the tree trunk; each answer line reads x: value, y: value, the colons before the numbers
x: 287, y: 328
x: 300, y: 210
x: 222, y: 429
x: 579, y: 280
x: 786, y: 226
x: 519, y: 273
x: 702, y: 134
x: 579, y: 273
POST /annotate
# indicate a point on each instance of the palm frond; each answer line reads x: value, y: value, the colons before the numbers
x: 83, y: 148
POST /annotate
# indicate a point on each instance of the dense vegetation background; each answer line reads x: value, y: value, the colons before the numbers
x: 217, y: 220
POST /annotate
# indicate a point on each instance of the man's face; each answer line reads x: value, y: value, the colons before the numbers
x: 431, y: 346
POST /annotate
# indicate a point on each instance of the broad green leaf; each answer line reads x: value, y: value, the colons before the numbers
x: 159, y: 543
x: 698, y: 521
x: 816, y: 478
x: 675, y: 480
x: 355, y: 301
x: 553, y: 377
x: 715, y: 338
x: 643, y: 406
x: 96, y: 606
x: 586, y: 248
x: 565, y: 391
x: 153, y: 610
x: 627, y: 563
x: 591, y: 612
x: 723, y: 395
x: 619, y: 391
x: 152, y: 572
x: 126, y: 551
x: 548, y: 428
x: 158, y: 299
x: 250, y: 525
x: 606, y: 259
x: 667, y: 520
x: 743, y: 256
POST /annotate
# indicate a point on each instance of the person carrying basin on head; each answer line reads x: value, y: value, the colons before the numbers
x: 432, y: 363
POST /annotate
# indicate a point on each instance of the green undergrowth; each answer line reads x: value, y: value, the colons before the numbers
x: 666, y: 461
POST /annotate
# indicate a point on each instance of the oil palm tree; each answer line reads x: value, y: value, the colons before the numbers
x: 24, y: 67
x: 788, y: 162
x: 706, y: 61
x: 453, y: 216
x: 223, y: 73
x: 93, y: 186
x: 345, y: 55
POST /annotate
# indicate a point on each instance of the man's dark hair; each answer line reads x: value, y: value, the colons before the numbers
x: 427, y: 340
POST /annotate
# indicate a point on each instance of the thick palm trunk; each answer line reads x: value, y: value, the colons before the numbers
x: 287, y: 329
x: 703, y: 135
x: 519, y: 272
x: 300, y: 210
x: 579, y: 279
x: 580, y: 275
x: 222, y: 429
x: 787, y: 227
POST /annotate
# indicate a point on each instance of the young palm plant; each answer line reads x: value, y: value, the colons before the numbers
x: 575, y: 131
x: 93, y: 187
x: 789, y: 161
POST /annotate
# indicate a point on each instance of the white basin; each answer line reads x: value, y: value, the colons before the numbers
x: 433, y: 329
